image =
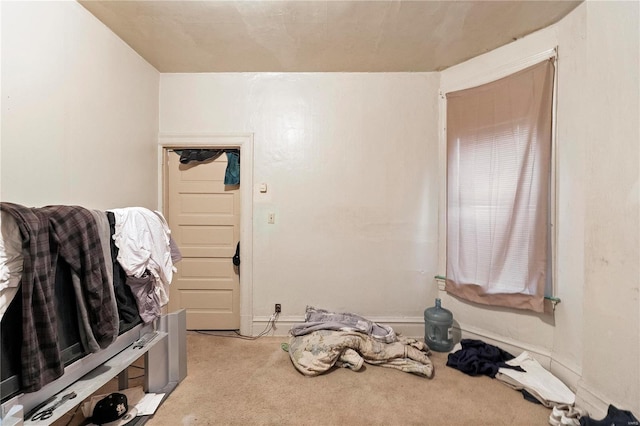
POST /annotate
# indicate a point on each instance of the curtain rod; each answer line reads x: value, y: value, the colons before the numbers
x: 203, y: 148
x: 552, y: 299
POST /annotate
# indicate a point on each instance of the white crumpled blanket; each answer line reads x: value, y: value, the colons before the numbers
x: 317, y: 352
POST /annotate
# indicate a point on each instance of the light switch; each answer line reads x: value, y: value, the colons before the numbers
x: 263, y: 187
x: 272, y: 218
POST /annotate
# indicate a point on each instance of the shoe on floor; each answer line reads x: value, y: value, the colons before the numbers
x: 558, y: 411
x: 566, y: 420
x: 572, y: 418
x: 566, y: 415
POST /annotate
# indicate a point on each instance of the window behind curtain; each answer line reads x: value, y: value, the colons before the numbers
x: 498, y: 186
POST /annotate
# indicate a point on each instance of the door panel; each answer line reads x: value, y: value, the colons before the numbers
x: 204, y: 217
x: 207, y: 240
x: 205, y: 301
x: 195, y: 204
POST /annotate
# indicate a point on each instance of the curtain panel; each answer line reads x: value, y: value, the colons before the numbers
x: 498, y: 189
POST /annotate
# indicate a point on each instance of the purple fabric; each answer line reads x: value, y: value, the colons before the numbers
x: 146, y: 298
x: 176, y: 255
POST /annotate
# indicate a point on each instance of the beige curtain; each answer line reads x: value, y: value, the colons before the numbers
x: 498, y: 178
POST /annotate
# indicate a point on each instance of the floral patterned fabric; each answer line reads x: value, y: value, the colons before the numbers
x: 317, y: 352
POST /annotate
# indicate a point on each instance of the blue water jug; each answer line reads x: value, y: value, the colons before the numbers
x: 438, y: 325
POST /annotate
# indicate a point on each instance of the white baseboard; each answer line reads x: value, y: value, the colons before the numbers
x: 591, y: 401
x: 281, y: 328
x: 409, y: 327
x: 569, y: 374
x: 512, y: 346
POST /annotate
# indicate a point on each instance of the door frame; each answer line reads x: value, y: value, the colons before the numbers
x: 244, y: 142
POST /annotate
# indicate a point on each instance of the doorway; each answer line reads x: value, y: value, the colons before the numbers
x: 208, y: 220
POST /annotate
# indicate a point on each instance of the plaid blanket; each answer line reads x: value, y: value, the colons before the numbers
x: 40, y: 352
x: 75, y: 231
x: 71, y: 233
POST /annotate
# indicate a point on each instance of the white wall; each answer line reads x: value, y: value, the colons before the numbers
x: 350, y: 161
x: 592, y: 340
x: 79, y: 111
x: 611, y: 327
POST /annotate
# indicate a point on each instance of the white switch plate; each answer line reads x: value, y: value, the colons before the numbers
x: 272, y: 218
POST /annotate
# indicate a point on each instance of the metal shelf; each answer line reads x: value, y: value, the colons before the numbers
x: 88, y: 384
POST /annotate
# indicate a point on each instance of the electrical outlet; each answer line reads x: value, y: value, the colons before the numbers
x: 278, y: 308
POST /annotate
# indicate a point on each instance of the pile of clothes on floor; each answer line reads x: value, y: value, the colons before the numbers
x: 525, y: 374
x: 327, y: 339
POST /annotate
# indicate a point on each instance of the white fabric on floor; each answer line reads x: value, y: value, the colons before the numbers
x: 536, y: 380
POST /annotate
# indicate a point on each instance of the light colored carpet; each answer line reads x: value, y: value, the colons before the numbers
x: 231, y: 381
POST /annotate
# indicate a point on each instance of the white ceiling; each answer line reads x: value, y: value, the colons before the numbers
x: 320, y: 36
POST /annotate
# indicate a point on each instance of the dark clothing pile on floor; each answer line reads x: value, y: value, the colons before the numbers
x: 479, y: 358
x: 614, y: 417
